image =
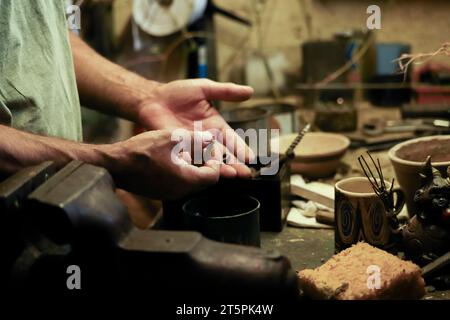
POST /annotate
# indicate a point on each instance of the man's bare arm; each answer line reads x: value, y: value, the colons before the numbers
x: 106, y: 86
x: 111, y: 89
x: 142, y: 164
x: 19, y: 149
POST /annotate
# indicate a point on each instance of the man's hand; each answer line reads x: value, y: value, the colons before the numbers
x: 178, y: 104
x: 106, y: 87
x: 147, y: 165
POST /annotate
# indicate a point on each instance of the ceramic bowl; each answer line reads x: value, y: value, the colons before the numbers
x: 408, y: 159
x: 318, y: 155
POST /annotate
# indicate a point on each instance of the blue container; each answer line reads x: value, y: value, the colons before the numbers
x: 386, y: 54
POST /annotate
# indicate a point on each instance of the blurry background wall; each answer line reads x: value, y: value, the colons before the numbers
x: 285, y: 24
x: 425, y: 24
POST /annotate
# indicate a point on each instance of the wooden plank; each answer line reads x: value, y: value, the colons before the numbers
x: 309, y: 194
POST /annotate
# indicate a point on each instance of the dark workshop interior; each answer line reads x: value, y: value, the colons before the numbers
x: 265, y: 152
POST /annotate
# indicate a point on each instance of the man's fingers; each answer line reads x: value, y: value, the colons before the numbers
x: 225, y: 91
x: 237, y: 146
x: 205, y: 175
x: 242, y: 171
x: 231, y: 166
x: 228, y: 171
x: 214, y: 158
x: 186, y: 156
x: 216, y: 151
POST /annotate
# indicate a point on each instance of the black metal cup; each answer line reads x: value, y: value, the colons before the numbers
x: 225, y: 218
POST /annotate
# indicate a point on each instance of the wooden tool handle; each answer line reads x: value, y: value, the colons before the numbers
x: 325, y: 217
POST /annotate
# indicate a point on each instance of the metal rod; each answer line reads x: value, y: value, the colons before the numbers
x: 375, y: 184
x: 290, y: 151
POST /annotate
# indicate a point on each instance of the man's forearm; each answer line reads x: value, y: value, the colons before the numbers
x: 142, y: 164
x: 20, y: 149
x: 107, y: 87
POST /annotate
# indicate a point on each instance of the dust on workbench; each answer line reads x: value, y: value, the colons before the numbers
x: 305, y: 248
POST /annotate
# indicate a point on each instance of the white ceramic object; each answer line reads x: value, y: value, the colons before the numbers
x: 159, y: 19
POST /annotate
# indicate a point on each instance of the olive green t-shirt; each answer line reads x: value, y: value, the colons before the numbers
x: 38, y: 91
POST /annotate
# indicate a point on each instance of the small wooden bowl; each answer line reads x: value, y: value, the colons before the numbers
x: 318, y: 155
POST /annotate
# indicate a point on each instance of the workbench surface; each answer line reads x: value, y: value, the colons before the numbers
x: 309, y: 248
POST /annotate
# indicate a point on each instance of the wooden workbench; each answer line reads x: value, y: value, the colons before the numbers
x: 309, y: 248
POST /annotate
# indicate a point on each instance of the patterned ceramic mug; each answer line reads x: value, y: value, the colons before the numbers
x: 361, y: 216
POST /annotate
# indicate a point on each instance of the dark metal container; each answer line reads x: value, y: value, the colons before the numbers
x: 231, y: 218
x: 272, y: 191
x: 283, y: 116
x: 247, y: 118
